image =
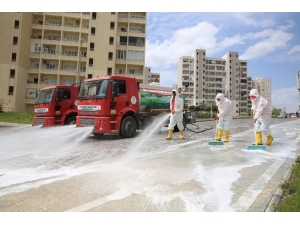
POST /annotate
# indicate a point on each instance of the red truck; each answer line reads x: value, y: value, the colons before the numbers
x: 120, y: 105
x: 55, y: 105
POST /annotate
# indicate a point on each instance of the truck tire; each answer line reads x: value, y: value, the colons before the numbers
x: 128, y: 127
x: 71, y: 120
x: 183, y: 122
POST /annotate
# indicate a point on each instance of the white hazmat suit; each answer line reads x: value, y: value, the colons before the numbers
x: 224, y: 116
x: 176, y: 107
x: 262, y: 117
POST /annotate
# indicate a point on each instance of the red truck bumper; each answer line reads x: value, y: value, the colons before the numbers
x: 101, y: 125
x: 45, y: 121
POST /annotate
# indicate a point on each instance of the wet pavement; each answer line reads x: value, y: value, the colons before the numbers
x: 67, y: 169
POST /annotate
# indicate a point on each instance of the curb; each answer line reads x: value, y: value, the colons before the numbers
x: 277, y: 196
x: 13, y: 124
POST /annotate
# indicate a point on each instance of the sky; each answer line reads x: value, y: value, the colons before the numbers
x: 270, y: 42
x: 267, y: 35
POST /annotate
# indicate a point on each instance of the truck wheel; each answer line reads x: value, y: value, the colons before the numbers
x: 71, y: 120
x: 183, y: 123
x: 128, y: 127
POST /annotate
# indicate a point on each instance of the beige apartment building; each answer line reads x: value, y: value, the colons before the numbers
x: 150, y: 77
x: 201, y: 78
x: 263, y: 85
x: 41, y: 49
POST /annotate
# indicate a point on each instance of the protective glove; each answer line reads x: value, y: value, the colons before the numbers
x: 217, y: 118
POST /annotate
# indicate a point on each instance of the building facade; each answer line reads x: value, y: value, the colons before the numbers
x: 41, y: 49
x: 263, y: 85
x: 150, y: 77
x: 202, y: 78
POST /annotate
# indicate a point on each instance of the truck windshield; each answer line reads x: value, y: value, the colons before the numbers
x: 94, y: 89
x: 45, y: 96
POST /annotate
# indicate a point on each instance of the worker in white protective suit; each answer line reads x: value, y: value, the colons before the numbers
x: 176, y: 106
x: 224, y: 116
x: 261, y: 117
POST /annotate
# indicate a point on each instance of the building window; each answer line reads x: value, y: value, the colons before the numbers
x: 109, y: 71
x: 91, y: 62
x: 111, y: 40
x: 112, y: 25
x: 15, y: 40
x: 121, y: 54
x: 10, y: 90
x: 93, y: 30
x: 92, y: 46
x: 94, y: 15
x: 113, y: 13
x: 110, y: 56
x: 135, y: 55
x: 12, y: 73
x: 16, y: 24
x: 13, y: 57
x: 90, y: 76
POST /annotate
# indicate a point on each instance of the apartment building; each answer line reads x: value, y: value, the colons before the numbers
x: 150, y: 77
x: 202, y: 78
x: 41, y: 49
x: 263, y: 85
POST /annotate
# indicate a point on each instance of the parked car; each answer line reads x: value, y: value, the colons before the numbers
x: 293, y: 115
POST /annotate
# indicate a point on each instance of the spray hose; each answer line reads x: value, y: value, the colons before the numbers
x: 198, y: 128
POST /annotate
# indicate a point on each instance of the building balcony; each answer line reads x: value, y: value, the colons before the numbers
x: 135, y: 62
x: 137, y: 34
x: 120, y: 61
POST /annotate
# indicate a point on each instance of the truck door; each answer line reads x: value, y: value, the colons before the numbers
x: 122, y: 99
x: 64, y: 101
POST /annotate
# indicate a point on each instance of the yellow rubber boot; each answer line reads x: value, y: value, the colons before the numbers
x: 226, y: 136
x: 169, y: 137
x: 219, y: 135
x: 269, y: 139
x: 258, y: 140
x: 181, y: 134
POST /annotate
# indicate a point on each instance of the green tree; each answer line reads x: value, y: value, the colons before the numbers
x: 192, y: 108
x: 275, y: 111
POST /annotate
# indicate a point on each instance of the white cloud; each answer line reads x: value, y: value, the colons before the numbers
x: 294, y: 50
x: 286, y: 97
x: 277, y: 39
x: 245, y: 17
x: 183, y: 42
x: 290, y: 25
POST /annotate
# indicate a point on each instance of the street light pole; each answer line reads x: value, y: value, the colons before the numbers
x: 79, y: 66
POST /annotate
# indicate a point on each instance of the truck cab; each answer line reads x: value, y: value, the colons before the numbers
x: 110, y: 104
x: 55, y: 105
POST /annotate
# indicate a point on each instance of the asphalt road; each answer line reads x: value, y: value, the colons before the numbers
x: 67, y: 169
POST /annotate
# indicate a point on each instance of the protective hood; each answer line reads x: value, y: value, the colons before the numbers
x: 221, y: 97
x: 254, y: 92
x: 177, y: 94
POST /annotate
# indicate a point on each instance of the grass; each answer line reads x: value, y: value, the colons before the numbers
x: 17, y: 117
x: 291, y: 191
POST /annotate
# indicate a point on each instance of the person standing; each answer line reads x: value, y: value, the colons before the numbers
x: 176, y: 106
x: 224, y: 116
x: 261, y: 117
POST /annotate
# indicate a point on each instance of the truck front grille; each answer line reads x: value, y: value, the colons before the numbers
x: 87, y: 122
x: 39, y: 121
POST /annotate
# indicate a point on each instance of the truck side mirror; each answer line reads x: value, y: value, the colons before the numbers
x: 114, y: 92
